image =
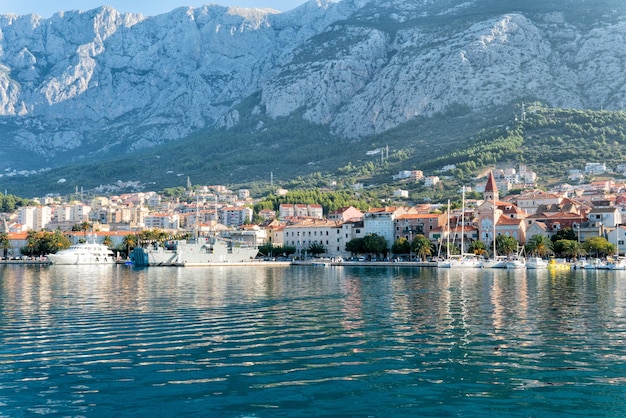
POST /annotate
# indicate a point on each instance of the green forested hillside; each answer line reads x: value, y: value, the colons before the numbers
x: 297, y: 154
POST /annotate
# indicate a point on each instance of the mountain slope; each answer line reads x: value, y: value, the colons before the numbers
x: 92, y: 86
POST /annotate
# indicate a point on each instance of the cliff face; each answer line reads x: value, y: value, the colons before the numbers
x: 102, y: 81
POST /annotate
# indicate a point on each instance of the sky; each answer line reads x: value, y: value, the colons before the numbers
x: 47, y: 8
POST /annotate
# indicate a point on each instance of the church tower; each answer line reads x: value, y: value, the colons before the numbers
x: 491, y: 189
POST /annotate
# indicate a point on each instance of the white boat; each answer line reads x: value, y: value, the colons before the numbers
x: 534, y: 263
x: 617, y: 264
x: 516, y: 263
x: 465, y: 260
x: 498, y: 263
x: 594, y: 264
x: 84, y: 253
x: 203, y: 251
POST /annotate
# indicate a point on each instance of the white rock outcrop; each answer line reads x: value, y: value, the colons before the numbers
x: 92, y: 81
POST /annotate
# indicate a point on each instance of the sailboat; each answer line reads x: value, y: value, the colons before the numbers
x: 464, y: 260
x: 518, y: 261
x: 446, y: 262
x: 618, y: 263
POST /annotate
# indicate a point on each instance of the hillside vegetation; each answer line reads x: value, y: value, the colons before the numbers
x: 297, y: 154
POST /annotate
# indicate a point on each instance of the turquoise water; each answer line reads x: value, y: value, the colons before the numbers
x: 311, y: 341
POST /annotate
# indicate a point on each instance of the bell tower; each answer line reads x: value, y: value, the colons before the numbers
x: 491, y: 189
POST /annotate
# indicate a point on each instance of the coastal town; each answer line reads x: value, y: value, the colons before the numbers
x: 588, y: 209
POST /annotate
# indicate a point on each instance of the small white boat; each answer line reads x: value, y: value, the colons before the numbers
x: 616, y: 264
x: 533, y: 263
x: 498, y: 263
x: 83, y: 253
x: 465, y: 261
x: 516, y: 263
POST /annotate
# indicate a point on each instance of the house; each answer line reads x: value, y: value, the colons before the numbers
x: 380, y: 221
x: 530, y: 202
x: 346, y: 214
x: 307, y: 232
x: 431, y: 181
x: 409, y: 225
x: 595, y: 168
x: 607, y: 217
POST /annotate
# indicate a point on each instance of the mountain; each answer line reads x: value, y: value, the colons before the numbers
x: 97, y: 85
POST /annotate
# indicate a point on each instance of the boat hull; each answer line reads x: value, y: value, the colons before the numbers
x: 83, y: 254
x: 201, y: 253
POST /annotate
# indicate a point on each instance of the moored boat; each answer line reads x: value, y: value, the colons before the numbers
x: 533, y: 263
x: 203, y: 251
x: 84, y: 253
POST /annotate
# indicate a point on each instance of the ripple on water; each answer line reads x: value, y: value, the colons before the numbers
x: 303, y: 342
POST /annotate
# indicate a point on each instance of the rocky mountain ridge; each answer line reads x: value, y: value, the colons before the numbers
x: 86, y: 84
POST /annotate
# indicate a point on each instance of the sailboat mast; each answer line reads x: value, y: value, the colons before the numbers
x: 448, y: 232
x: 495, y: 254
x: 462, y: 220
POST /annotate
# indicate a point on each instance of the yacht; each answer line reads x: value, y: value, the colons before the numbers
x: 84, y: 253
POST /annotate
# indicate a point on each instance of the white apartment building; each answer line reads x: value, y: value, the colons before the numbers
x: 35, y: 218
x: 235, y: 216
x: 162, y: 221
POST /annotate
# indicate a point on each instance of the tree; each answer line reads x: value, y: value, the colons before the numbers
x: 43, y: 243
x: 539, y: 245
x: 375, y: 244
x: 506, y: 245
x: 355, y: 246
x: 569, y: 248
x: 565, y: 233
x: 449, y: 248
x: 478, y: 247
x: 401, y: 246
x: 316, y: 249
x: 5, y: 244
x: 129, y: 241
x: 83, y: 226
x: 422, y: 247
x: 266, y: 249
x: 598, y: 246
x: 107, y: 241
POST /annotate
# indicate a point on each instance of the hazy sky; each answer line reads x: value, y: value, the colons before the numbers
x: 47, y: 8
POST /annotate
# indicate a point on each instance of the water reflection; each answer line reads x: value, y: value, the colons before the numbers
x: 311, y: 341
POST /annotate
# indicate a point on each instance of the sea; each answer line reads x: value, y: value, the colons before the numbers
x: 309, y: 341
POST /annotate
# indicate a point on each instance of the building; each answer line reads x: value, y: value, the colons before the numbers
x: 431, y: 181
x: 608, y: 217
x: 380, y: 221
x: 411, y: 224
x: 287, y: 211
x: 595, y: 168
x: 303, y: 234
x: 35, y: 218
x: 346, y: 214
x: 235, y: 216
x: 162, y: 221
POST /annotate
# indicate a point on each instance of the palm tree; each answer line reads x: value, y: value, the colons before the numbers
x: 540, y: 245
x: 108, y: 241
x: 569, y: 248
x: 5, y: 244
x: 478, y: 247
x: 422, y: 247
x: 129, y: 241
x: 506, y: 245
